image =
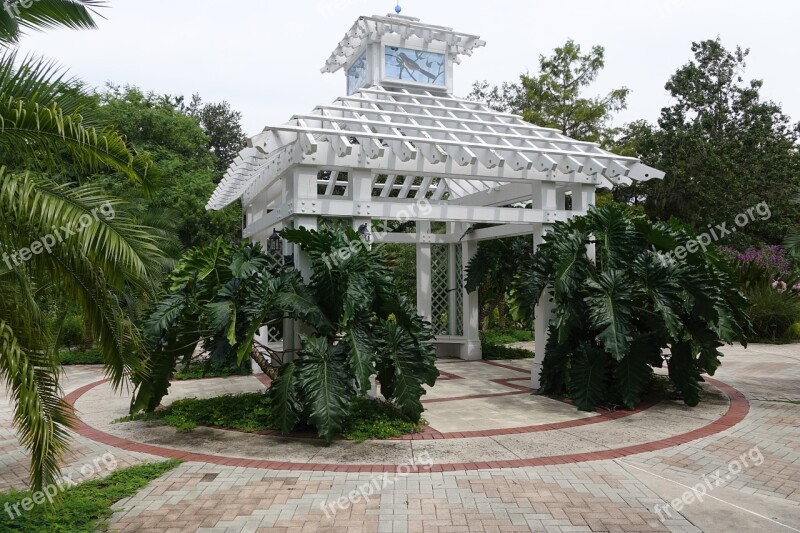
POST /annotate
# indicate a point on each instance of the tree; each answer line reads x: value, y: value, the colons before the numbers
x: 355, y: 326
x: 723, y: 148
x: 180, y: 148
x: 614, y: 315
x: 554, y: 97
x: 222, y: 126
x: 74, y: 240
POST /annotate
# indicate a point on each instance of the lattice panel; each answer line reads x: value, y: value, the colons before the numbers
x: 440, y: 296
x: 274, y: 334
x: 459, y: 293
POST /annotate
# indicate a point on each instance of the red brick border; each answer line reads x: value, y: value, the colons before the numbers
x: 737, y: 410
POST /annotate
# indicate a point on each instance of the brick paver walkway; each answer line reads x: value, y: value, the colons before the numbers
x: 745, y: 477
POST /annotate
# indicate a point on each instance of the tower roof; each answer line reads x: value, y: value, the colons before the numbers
x: 372, y: 28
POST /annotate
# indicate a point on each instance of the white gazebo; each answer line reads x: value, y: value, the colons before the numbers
x: 400, y: 146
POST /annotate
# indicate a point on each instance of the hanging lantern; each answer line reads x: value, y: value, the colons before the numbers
x: 364, y: 233
x: 275, y: 242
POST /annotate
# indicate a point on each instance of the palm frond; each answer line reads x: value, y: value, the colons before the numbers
x: 17, y: 16
x: 37, y: 127
x: 41, y: 416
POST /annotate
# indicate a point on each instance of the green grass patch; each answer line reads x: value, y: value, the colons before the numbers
x: 506, y: 336
x: 83, y: 508
x: 79, y: 356
x: 251, y: 412
x: 243, y: 412
x: 372, y: 419
x: 492, y: 352
x: 202, y: 371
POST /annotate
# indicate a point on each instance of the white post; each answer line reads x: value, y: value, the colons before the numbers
x: 545, y: 199
x: 583, y: 197
x: 360, y: 185
x: 471, y: 349
x: 301, y: 187
x: 361, y: 188
x: 424, y: 270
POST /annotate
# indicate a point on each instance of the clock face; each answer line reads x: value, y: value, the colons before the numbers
x: 414, y: 66
x: 357, y: 74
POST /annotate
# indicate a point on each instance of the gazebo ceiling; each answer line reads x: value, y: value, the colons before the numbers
x: 413, y: 131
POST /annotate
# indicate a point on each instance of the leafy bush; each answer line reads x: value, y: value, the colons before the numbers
x: 355, y: 324
x: 773, y: 313
x: 204, y: 370
x: 73, y: 331
x: 495, y: 352
x: 506, y: 336
x: 768, y: 282
x: 615, y: 315
x: 794, y: 331
x: 80, y: 357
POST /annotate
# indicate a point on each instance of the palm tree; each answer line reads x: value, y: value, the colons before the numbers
x: 70, y: 240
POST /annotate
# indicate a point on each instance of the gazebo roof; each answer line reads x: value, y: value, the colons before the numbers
x: 415, y: 132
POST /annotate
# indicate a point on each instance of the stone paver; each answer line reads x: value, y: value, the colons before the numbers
x: 750, y: 472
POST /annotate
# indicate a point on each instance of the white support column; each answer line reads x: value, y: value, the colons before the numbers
x: 544, y: 198
x: 452, y: 281
x: 301, y: 184
x: 423, y: 270
x: 583, y: 197
x: 471, y: 349
x: 360, y: 184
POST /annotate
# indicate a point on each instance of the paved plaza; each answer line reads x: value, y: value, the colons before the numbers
x: 493, y: 457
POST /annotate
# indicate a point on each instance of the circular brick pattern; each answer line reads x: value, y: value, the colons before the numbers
x: 736, y: 412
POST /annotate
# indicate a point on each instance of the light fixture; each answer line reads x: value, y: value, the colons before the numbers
x: 364, y: 233
x: 274, y: 242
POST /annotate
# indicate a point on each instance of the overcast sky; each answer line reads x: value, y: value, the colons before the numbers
x: 264, y: 57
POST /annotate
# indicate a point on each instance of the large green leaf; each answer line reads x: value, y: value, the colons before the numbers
x: 285, y: 401
x: 588, y: 378
x: 632, y: 375
x: 325, y: 383
x: 410, y: 369
x: 362, y: 355
x: 610, y: 304
x: 684, y: 374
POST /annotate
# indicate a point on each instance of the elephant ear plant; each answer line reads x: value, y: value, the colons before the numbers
x: 634, y: 307
x: 353, y: 326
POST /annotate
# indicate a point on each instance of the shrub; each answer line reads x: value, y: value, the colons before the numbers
x: 80, y: 357
x: 73, y: 331
x: 773, y: 313
x: 768, y: 281
x: 615, y: 315
x: 356, y: 326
